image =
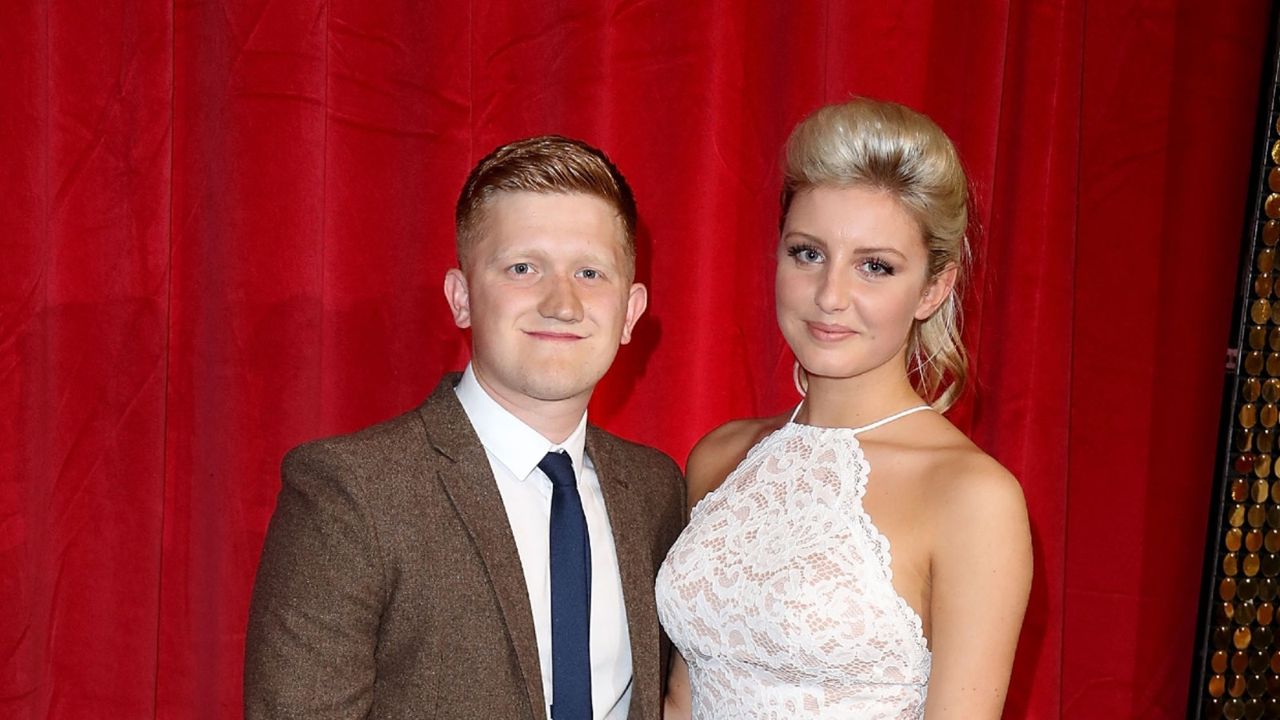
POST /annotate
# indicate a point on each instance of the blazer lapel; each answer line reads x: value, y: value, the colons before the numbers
x: 635, y: 566
x: 470, y: 486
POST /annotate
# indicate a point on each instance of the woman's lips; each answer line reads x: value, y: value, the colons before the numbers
x: 829, y: 333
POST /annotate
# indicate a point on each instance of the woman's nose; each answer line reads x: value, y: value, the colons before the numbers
x: 833, y: 292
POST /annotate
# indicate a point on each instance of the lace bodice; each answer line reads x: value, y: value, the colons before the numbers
x: 779, y: 593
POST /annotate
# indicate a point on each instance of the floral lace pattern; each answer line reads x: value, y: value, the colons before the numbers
x: 779, y: 593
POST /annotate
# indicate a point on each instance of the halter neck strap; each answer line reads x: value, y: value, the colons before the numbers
x: 795, y: 412
x: 874, y: 425
x: 891, y: 418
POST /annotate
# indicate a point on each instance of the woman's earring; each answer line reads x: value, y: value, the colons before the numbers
x: 800, y: 378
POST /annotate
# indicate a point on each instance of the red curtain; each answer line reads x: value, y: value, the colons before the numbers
x: 224, y: 226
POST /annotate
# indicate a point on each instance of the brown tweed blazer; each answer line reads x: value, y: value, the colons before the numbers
x: 390, y: 585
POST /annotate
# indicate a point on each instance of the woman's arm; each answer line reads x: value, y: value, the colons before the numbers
x: 678, y: 704
x: 980, y: 579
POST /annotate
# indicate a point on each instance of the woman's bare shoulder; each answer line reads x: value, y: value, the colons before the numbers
x: 974, y: 500
x: 720, y: 451
x: 973, y: 476
x: 953, y: 481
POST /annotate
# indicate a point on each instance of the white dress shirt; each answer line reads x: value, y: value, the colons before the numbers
x: 514, y: 450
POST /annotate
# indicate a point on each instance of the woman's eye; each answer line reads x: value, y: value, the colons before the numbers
x: 877, y: 267
x: 805, y: 253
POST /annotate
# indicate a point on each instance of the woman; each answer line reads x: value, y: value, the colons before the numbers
x: 782, y: 595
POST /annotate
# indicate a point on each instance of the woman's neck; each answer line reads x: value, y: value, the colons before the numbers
x: 858, y: 401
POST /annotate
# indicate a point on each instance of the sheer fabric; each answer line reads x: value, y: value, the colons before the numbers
x: 779, y: 594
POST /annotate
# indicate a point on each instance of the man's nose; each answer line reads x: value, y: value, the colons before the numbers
x: 561, y: 300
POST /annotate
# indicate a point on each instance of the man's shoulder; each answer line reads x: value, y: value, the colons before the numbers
x: 654, y: 479
x: 375, y: 446
x: 383, y: 442
x: 632, y: 453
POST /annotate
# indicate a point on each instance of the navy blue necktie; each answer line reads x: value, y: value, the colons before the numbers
x: 570, y: 594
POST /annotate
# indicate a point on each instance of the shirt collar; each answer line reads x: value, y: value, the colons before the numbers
x: 516, y: 445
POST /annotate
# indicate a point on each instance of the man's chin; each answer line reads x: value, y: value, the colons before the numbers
x: 558, y: 393
x: 559, y: 389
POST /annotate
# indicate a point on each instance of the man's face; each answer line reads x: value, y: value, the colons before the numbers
x: 547, y: 294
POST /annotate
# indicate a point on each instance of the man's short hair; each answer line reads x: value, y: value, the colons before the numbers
x: 547, y: 164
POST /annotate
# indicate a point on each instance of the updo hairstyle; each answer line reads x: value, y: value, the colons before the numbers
x: 889, y: 147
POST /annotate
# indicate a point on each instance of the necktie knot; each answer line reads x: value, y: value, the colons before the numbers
x: 559, y: 468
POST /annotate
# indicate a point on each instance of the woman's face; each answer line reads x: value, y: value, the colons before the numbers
x: 852, y: 279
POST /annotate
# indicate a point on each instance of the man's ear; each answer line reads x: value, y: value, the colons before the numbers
x: 637, y: 301
x: 936, y: 292
x: 458, y: 297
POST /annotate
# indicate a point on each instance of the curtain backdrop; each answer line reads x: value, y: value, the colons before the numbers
x: 224, y: 228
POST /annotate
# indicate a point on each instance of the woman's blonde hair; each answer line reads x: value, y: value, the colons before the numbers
x: 892, y: 148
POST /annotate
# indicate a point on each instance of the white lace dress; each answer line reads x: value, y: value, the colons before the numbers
x: 779, y: 596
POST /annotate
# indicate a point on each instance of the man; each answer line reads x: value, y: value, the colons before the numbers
x: 488, y: 555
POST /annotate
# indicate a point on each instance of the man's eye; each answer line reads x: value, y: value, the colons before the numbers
x: 521, y: 269
x: 589, y: 274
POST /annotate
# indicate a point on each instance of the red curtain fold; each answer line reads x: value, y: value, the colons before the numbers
x: 1164, y: 158
x: 224, y: 227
